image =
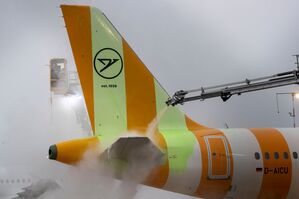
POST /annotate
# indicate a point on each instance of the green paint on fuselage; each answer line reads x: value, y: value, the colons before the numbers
x: 180, y: 142
x: 180, y: 146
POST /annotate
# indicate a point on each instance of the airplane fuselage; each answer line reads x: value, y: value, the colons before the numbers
x: 232, y: 163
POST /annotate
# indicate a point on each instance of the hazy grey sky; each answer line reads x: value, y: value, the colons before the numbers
x: 186, y: 44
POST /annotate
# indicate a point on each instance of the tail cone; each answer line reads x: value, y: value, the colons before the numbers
x: 53, y: 152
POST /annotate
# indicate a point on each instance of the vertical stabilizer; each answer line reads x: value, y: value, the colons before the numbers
x: 121, y: 95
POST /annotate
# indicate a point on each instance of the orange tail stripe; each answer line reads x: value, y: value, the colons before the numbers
x: 276, y: 184
x: 77, y: 20
x: 141, y: 107
x: 140, y: 92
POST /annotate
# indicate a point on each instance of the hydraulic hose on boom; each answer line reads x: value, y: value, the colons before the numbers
x: 225, y: 91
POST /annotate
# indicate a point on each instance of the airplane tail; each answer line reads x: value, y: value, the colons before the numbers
x: 120, y: 93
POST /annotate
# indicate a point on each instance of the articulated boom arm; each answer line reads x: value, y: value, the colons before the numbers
x: 225, y: 91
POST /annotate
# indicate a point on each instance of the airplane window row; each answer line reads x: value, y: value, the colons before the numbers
x: 285, y: 155
x: 2, y: 181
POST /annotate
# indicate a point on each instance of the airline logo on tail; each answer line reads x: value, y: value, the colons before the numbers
x: 108, y: 63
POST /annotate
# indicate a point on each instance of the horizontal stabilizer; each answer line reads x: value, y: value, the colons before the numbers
x: 132, y: 148
x: 137, y: 155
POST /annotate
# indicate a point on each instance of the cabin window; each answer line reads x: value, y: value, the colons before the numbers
x: 285, y: 155
x: 267, y: 156
x: 295, y: 155
x: 257, y: 155
x: 276, y: 155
